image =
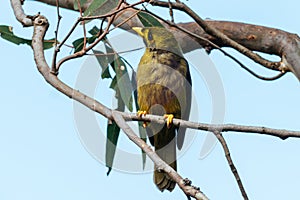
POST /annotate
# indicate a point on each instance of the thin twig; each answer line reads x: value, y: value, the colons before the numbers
x: 218, y: 34
x: 56, y: 50
x: 40, y: 28
x: 219, y: 48
x: 79, y: 54
x: 231, y: 164
x: 171, y: 11
x: 84, y: 51
x: 83, y: 24
x: 130, y: 17
x: 111, y: 16
x: 113, y: 12
x: 114, y: 53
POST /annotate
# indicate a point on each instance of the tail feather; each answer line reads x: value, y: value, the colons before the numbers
x: 163, y: 181
x: 165, y: 147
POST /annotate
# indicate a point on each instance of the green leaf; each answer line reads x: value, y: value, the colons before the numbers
x: 7, y: 34
x: 82, y: 2
x: 113, y: 132
x: 94, y: 31
x: 104, y: 60
x: 148, y: 20
x: 105, y: 73
x: 100, y: 7
x: 78, y: 44
x: 123, y: 82
x: 113, y: 84
x: 92, y: 39
x: 48, y: 44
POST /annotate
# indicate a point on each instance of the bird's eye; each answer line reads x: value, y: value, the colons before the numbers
x: 150, y: 37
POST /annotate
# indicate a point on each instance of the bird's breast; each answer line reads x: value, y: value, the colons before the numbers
x: 161, y: 81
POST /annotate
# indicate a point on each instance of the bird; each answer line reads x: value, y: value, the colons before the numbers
x: 163, y: 88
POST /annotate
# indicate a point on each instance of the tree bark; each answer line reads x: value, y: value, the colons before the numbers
x: 254, y: 37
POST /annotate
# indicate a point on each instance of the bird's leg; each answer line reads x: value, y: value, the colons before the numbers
x: 169, y: 118
x: 140, y: 113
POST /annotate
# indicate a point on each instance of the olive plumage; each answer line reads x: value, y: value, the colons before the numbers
x: 163, y: 87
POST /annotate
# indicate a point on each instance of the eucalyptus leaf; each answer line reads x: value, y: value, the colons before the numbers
x: 94, y: 31
x: 6, y: 32
x: 113, y: 84
x: 78, y: 44
x: 113, y: 132
x: 100, y: 7
x: 82, y: 2
x: 92, y: 39
x: 148, y: 20
x: 104, y: 61
x: 123, y: 81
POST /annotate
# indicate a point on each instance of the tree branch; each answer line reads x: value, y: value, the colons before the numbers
x: 25, y: 20
x: 189, y: 190
x: 218, y: 34
x: 230, y: 163
x: 280, y: 133
x: 212, y: 45
x: 252, y: 37
x: 40, y: 27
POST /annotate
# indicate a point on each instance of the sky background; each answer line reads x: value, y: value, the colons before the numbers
x: 41, y: 150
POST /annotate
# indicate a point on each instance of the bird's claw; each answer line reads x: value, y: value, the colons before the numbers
x: 141, y: 113
x: 169, y: 118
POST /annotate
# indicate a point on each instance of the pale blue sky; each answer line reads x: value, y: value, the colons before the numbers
x: 42, y: 156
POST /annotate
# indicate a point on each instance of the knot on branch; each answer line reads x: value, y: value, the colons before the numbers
x: 284, y: 65
x: 41, y: 20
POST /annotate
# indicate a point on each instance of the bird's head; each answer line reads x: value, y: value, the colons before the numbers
x: 159, y: 38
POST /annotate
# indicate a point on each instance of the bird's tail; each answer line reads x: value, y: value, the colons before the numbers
x: 165, y: 147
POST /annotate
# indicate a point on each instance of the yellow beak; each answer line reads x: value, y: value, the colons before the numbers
x: 138, y: 30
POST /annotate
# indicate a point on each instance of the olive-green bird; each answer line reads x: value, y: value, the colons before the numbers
x: 163, y: 87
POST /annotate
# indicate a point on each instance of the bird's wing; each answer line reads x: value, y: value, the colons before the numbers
x: 188, y: 101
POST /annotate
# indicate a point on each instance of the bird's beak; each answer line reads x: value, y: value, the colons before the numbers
x: 138, y: 30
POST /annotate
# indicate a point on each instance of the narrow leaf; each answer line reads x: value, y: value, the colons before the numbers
x: 82, y: 2
x: 148, y: 20
x: 113, y: 84
x: 104, y: 60
x: 7, y: 34
x: 100, y: 7
x: 90, y: 40
x: 94, y: 31
x: 78, y: 44
x: 113, y: 132
x: 123, y: 81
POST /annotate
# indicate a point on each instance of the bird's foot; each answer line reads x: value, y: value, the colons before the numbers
x: 141, y: 113
x: 169, y: 118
